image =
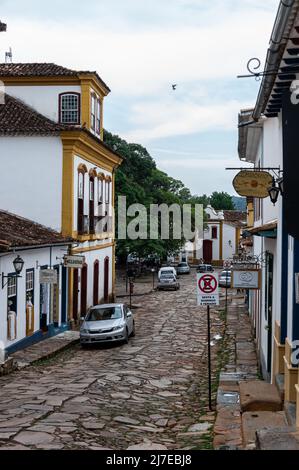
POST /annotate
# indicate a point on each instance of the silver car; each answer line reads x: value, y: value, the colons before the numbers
x: 183, y: 268
x: 107, y: 323
x: 167, y: 282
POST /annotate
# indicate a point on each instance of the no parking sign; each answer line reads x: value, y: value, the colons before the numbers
x: 207, y: 289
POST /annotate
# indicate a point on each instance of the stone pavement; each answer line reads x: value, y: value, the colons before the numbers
x: 151, y: 393
x: 45, y: 349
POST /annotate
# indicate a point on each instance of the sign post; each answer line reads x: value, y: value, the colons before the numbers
x: 208, y: 295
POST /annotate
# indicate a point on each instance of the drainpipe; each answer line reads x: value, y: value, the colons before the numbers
x: 278, y: 41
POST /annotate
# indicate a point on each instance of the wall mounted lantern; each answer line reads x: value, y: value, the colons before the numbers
x: 274, y: 192
x: 18, y: 264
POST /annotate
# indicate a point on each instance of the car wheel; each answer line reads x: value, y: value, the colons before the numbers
x: 133, y: 332
x: 126, y: 339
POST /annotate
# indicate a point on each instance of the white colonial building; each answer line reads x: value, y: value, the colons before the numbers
x: 221, y: 237
x: 28, y: 305
x: 56, y: 169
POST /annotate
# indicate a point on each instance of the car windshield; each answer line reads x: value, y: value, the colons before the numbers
x: 106, y: 313
x: 226, y: 273
x: 183, y: 265
x: 165, y: 273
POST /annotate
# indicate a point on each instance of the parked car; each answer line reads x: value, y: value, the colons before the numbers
x: 205, y: 268
x: 167, y: 270
x: 183, y: 268
x: 225, y: 279
x: 168, y: 282
x: 107, y: 323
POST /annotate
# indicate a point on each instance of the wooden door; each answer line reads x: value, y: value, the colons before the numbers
x: 208, y: 251
x: 75, y: 294
x: 106, y: 280
x: 96, y: 283
x: 84, y: 291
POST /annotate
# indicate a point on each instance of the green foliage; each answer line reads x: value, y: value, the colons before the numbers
x: 139, y: 179
x: 222, y: 201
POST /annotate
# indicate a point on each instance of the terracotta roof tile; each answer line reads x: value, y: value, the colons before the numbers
x: 236, y: 217
x: 17, y: 118
x: 15, y: 231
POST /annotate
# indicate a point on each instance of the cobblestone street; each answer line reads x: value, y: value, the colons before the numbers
x: 151, y: 393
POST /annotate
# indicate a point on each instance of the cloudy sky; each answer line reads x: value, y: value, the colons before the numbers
x: 140, y: 48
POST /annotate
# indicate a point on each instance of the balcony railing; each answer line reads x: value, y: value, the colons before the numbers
x: 94, y: 225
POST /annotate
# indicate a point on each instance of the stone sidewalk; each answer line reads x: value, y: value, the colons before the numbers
x: 250, y: 413
x: 45, y: 349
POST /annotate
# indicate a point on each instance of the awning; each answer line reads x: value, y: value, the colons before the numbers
x: 268, y: 230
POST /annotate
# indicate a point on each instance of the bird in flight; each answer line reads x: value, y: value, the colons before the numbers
x: 174, y: 87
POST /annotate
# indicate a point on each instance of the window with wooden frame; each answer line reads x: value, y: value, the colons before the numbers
x: 107, y: 190
x: 12, y: 300
x: 30, y: 285
x: 80, y: 222
x: 69, y: 108
x: 91, y: 205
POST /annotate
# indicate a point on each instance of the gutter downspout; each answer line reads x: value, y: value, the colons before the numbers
x: 278, y: 42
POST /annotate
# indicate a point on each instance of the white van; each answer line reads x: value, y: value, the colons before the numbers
x: 168, y: 270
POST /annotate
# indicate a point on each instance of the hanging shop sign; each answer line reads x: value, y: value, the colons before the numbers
x: 249, y: 279
x: 207, y: 289
x: 76, y: 262
x: 48, y: 276
x: 253, y: 183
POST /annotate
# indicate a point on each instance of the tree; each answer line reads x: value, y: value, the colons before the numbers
x: 221, y: 201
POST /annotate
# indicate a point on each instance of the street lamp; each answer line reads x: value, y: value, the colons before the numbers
x: 274, y: 192
x: 18, y: 264
x: 280, y: 185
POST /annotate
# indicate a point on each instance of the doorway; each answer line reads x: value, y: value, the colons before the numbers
x: 207, y: 251
x: 106, y: 280
x: 96, y: 283
x: 269, y: 306
x: 84, y: 291
x: 75, y: 294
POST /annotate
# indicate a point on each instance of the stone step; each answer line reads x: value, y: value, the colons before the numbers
x: 278, y: 439
x: 279, y: 382
x: 258, y: 420
x: 259, y: 396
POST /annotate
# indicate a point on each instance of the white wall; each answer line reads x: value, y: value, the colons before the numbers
x: 272, y: 157
x: 43, y: 99
x: 31, y: 178
x: 32, y: 258
x: 229, y: 234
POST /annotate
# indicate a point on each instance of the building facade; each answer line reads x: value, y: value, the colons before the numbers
x: 51, y: 141
x: 31, y: 309
x: 221, y: 237
x: 268, y: 139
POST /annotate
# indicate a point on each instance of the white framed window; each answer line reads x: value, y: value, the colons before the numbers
x: 98, y: 116
x: 91, y: 189
x: 107, y: 187
x: 30, y: 285
x: 93, y: 111
x: 80, y: 185
x: 101, y: 191
x: 69, y: 108
x: 12, y: 287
